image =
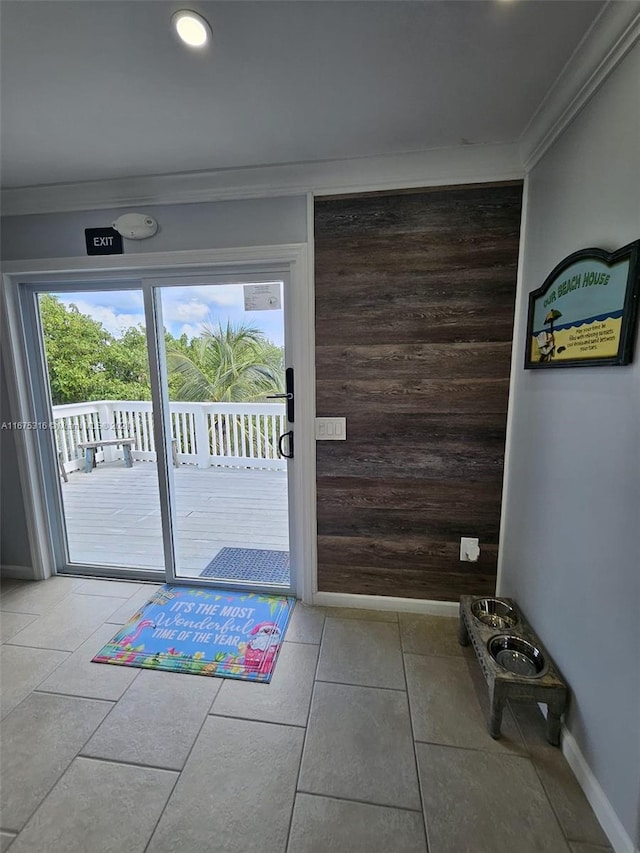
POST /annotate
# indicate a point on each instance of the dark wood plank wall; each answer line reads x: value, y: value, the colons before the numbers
x: 415, y: 297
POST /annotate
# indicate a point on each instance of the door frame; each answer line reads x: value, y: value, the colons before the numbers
x: 292, y: 260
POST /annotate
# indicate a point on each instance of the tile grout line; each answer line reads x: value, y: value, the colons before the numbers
x: 179, y: 776
x: 36, y: 688
x: 544, y: 787
x: 413, y: 738
x: 358, y: 620
x: 362, y: 802
x: 107, y: 715
x: 304, y: 739
x: 66, y: 769
x: 122, y: 763
x: 44, y: 615
x: 435, y: 655
x: 7, y: 585
x: 254, y: 720
x: 497, y: 752
x: 8, y: 642
x: 39, y: 692
x: 21, y: 612
x: 64, y: 598
x: 9, y: 832
x: 40, y: 648
x: 367, y: 686
x: 14, y: 832
x: 122, y: 598
x: 164, y: 808
x: 549, y: 800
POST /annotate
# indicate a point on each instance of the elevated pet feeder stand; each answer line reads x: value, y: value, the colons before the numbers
x: 513, y: 660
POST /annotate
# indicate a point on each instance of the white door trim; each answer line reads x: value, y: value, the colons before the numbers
x: 292, y: 257
x: 11, y: 340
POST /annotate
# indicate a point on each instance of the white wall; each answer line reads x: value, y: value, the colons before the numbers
x: 571, y: 554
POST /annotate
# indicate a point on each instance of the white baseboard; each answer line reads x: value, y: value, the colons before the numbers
x: 598, y: 800
x: 591, y: 788
x: 22, y: 573
x: 384, y: 602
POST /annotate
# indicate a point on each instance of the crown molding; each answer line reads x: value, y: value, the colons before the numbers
x: 611, y: 36
x: 435, y: 167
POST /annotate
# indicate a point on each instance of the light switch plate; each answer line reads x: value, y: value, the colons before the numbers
x: 331, y: 429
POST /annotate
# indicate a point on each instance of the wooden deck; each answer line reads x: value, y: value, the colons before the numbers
x: 113, y: 514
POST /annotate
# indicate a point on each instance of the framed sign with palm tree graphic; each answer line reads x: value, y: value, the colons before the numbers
x: 585, y: 312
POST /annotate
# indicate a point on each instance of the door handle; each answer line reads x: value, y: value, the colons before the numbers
x: 288, y: 395
x: 284, y: 435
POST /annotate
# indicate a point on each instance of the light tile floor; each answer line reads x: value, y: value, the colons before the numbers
x: 371, y: 738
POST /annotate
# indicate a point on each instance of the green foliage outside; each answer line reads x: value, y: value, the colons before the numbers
x: 86, y: 362
x: 225, y: 363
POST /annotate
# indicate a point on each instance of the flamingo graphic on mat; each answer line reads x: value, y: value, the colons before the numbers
x: 125, y: 640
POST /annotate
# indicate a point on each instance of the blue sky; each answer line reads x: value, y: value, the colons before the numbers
x: 184, y: 309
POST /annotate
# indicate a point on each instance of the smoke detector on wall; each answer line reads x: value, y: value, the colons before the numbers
x: 135, y: 226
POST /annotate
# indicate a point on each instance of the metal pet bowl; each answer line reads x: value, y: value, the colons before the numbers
x: 493, y: 612
x: 517, y: 655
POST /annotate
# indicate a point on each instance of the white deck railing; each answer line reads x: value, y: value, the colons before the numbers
x: 230, y: 435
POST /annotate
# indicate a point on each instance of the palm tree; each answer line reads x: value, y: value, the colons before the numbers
x: 547, y: 350
x: 553, y: 315
x: 226, y: 364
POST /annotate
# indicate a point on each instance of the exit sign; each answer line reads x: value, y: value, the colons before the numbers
x: 103, y: 241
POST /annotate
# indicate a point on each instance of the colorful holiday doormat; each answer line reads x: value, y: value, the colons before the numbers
x: 249, y: 564
x: 204, y: 632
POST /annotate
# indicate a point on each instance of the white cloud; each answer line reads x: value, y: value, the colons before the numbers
x: 218, y: 294
x: 185, y: 311
x: 112, y: 320
x: 190, y: 330
x: 121, y: 299
x: 214, y: 295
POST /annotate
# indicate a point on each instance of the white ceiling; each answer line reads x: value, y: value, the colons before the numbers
x: 100, y: 89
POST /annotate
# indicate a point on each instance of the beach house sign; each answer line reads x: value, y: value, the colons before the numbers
x: 585, y: 312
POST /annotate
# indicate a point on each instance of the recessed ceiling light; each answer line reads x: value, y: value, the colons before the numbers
x: 191, y: 28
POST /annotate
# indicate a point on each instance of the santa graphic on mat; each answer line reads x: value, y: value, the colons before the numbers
x: 263, y: 647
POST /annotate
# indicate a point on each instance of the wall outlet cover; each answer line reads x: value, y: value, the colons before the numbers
x: 469, y: 549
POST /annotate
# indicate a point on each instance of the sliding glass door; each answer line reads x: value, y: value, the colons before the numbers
x: 171, y: 412
x: 99, y: 401
x: 223, y: 372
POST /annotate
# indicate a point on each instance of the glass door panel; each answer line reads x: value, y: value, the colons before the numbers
x: 95, y: 351
x: 224, y: 359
